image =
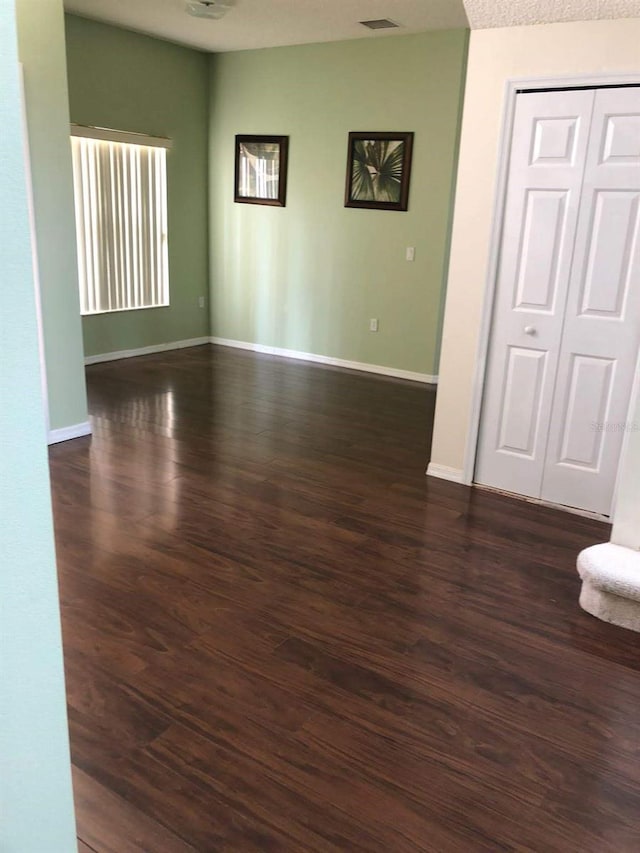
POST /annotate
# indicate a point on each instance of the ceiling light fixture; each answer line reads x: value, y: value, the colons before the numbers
x: 212, y: 9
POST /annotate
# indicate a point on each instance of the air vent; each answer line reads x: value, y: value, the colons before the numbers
x: 380, y: 24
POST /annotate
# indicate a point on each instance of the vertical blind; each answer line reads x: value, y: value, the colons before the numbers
x: 121, y: 224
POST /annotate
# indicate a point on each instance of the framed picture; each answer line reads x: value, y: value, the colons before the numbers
x: 378, y: 170
x: 261, y: 170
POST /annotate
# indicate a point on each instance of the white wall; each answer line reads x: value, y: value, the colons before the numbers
x: 35, y: 777
x: 41, y: 46
x: 495, y: 56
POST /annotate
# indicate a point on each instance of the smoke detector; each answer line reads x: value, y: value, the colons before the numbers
x: 213, y: 9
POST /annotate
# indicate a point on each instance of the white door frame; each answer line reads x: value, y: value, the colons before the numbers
x: 512, y: 87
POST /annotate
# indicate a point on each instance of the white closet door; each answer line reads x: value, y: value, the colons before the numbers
x: 602, y: 325
x: 547, y: 163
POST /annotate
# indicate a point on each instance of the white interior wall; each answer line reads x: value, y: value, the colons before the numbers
x: 35, y: 773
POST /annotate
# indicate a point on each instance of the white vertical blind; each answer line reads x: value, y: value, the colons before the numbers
x: 121, y: 224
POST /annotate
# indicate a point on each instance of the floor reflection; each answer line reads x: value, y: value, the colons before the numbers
x: 146, y: 423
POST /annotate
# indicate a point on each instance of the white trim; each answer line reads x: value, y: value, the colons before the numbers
x: 134, y: 353
x: 166, y: 304
x: 512, y: 87
x: 591, y: 81
x: 108, y: 135
x: 444, y: 472
x: 55, y: 436
x: 425, y: 378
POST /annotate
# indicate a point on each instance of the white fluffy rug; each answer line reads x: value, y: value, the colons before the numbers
x: 611, y: 584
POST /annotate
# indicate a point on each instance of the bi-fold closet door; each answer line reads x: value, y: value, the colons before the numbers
x: 566, y: 326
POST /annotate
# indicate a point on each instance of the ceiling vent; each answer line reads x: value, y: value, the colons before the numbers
x: 380, y: 24
x: 212, y: 9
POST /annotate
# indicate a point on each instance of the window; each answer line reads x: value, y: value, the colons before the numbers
x: 120, y: 186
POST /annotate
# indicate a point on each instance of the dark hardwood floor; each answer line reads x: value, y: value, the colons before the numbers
x: 281, y: 636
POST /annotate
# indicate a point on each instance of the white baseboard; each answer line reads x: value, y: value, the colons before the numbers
x: 133, y: 353
x: 443, y: 472
x: 325, y: 359
x: 55, y: 436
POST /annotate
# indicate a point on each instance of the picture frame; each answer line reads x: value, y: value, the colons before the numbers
x: 379, y: 170
x: 261, y: 169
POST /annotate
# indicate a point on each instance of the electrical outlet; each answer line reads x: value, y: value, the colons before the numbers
x: 411, y: 253
x: 373, y: 324
x: 201, y: 301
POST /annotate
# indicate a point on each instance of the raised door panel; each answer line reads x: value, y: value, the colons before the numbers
x: 590, y: 381
x: 554, y: 141
x: 544, y: 228
x: 611, y: 244
x: 519, y: 412
x: 548, y: 154
x: 621, y: 139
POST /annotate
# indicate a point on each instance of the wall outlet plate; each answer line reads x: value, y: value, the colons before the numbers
x: 373, y: 324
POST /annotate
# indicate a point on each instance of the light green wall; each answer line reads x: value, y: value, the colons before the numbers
x: 35, y: 781
x: 41, y: 49
x: 308, y: 277
x: 126, y: 81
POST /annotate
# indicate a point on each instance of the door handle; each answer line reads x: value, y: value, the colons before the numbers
x: 530, y: 330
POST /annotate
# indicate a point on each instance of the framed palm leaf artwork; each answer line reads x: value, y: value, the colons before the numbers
x: 261, y: 170
x: 378, y: 170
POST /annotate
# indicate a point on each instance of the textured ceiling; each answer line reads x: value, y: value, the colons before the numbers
x: 513, y: 13
x: 268, y: 23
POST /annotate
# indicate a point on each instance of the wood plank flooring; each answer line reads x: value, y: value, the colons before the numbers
x: 281, y: 636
